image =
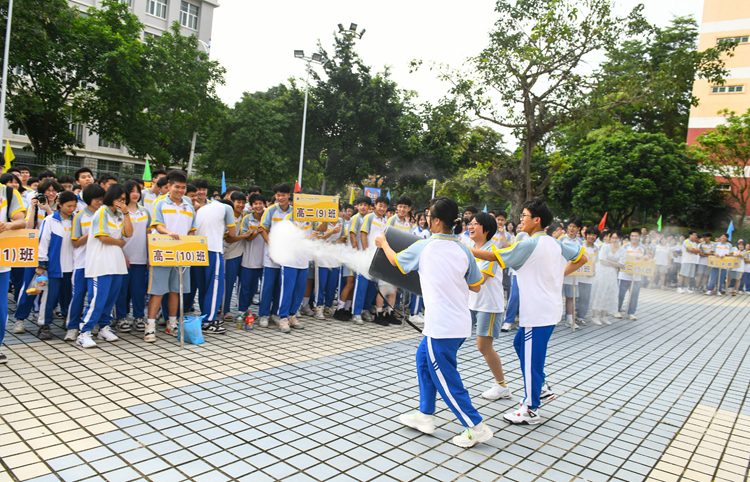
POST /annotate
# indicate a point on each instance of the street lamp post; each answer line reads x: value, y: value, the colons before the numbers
x: 5, y: 75
x: 318, y: 59
x: 207, y: 47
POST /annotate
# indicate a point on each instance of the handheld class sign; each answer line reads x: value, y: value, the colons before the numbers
x: 636, y: 266
x: 19, y: 248
x: 186, y: 251
x: 585, y: 270
x: 316, y: 208
x: 723, y: 263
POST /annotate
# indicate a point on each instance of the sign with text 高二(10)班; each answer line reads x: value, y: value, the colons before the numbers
x: 186, y: 251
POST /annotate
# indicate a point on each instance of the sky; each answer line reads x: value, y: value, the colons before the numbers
x: 255, y: 41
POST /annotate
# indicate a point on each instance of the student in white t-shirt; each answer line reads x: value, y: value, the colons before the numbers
x: 540, y: 263
x: 572, y: 237
x: 136, y: 252
x: 735, y: 274
x: 447, y: 272
x: 722, y: 249
x: 212, y: 221
x: 105, y: 263
x: 663, y: 257
x: 585, y: 283
x: 706, y: 247
x: 690, y: 253
x: 233, y: 249
x: 253, y: 245
x: 487, y: 305
x: 630, y: 282
x: 745, y: 281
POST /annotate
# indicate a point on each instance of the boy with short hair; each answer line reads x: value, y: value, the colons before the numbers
x: 487, y: 305
x: 269, y: 288
x: 106, y: 180
x: 574, y: 226
x: 585, y: 283
x: 365, y: 290
x: 501, y: 238
x: 663, y: 257
x: 253, y: 248
x: 362, y: 203
x: 233, y: 249
x: 150, y: 194
x: 629, y: 281
x: 721, y: 249
x: 174, y: 216
x: 201, y: 193
x: 66, y: 182
x: 690, y: 253
x: 706, y: 249
x: 25, y: 174
x: 83, y: 177
x: 540, y: 263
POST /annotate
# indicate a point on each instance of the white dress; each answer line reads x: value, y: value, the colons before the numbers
x: 605, y: 291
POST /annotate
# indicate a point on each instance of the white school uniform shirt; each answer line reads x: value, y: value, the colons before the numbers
x: 423, y: 233
x: 148, y: 197
x: 722, y: 249
x: 736, y: 251
x: 252, y: 251
x: 80, y: 203
x: 211, y: 221
x: 234, y: 250
x: 355, y: 226
x: 465, y: 239
x: 490, y: 298
x: 271, y: 217
x: 178, y: 218
x: 688, y: 257
x: 446, y: 270
x: 105, y: 259
x: 81, y: 227
x: 676, y: 253
x: 306, y: 227
x: 13, y: 205
x: 136, y: 246
x: 496, y: 239
x: 661, y: 255
x: 706, y: 248
x: 565, y: 239
x: 632, y: 252
x: 373, y: 225
x: 539, y: 262
x: 746, y: 260
x: 592, y: 254
x: 398, y: 223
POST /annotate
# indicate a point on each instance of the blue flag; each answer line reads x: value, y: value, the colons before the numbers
x: 388, y: 194
x: 730, y: 229
x: 485, y: 209
x: 223, y: 183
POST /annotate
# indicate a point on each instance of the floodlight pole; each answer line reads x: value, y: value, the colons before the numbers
x: 207, y: 47
x: 318, y: 59
x: 5, y: 75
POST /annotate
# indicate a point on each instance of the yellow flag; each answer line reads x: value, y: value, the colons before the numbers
x: 8, y: 156
x: 351, y: 198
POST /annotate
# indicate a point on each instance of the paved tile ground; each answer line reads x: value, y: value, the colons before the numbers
x: 660, y: 398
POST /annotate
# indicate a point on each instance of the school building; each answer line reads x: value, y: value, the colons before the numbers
x: 723, y: 20
x: 101, y: 155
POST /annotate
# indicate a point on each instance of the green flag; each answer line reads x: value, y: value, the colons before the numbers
x: 147, y: 172
x: 658, y: 223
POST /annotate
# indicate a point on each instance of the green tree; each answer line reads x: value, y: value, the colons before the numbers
x: 69, y: 67
x: 177, y: 97
x: 629, y: 172
x: 534, y: 78
x: 258, y: 139
x: 725, y: 152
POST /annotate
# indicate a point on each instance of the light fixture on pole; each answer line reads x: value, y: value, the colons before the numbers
x: 207, y: 48
x: 318, y: 59
x: 4, y: 87
x: 352, y: 30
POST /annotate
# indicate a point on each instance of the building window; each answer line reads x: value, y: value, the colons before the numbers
x: 76, y: 128
x: 113, y: 167
x: 157, y: 8
x: 724, y: 89
x: 18, y: 131
x: 109, y: 145
x: 724, y: 187
x: 129, y: 3
x: 741, y: 40
x: 189, y: 15
x: 69, y: 163
x: 138, y: 169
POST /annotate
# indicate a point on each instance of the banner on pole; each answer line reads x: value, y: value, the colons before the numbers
x: 186, y: 251
x: 637, y: 266
x: 316, y: 208
x: 723, y: 263
x: 19, y: 248
x: 372, y: 192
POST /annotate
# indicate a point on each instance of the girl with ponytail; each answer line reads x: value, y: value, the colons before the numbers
x: 447, y: 271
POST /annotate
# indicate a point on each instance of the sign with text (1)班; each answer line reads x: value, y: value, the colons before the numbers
x: 186, y: 251
x: 723, y: 263
x: 316, y: 208
x: 19, y: 248
x: 585, y: 270
x: 637, y: 266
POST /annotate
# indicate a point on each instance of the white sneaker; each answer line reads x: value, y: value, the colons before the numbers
x: 680, y: 290
x: 719, y: 293
x: 71, y: 335
x: 595, y: 320
x: 708, y: 292
x: 319, y: 315
x: 506, y: 327
x: 329, y: 311
x: 605, y: 321
x: 419, y: 421
x: 367, y: 316
x: 547, y: 395
x: 418, y: 318
x: 263, y: 322
x: 496, y: 392
x: 473, y: 435
x: 306, y: 310
x: 149, y: 333
x: 572, y: 323
x: 172, y: 327
x: 19, y: 327
x: 85, y: 340
x: 632, y: 317
x: 256, y: 299
x: 617, y: 315
x: 284, y: 326
x: 274, y: 319
x: 105, y: 333
x: 523, y: 415
x: 357, y: 319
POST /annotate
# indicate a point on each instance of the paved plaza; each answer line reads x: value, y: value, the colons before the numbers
x: 661, y: 398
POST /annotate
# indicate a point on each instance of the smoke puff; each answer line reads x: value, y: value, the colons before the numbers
x: 288, y: 244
